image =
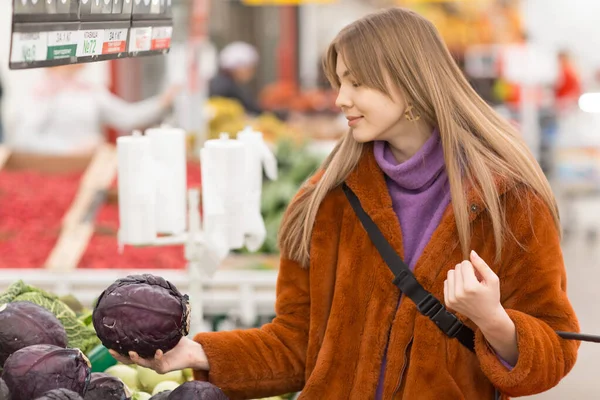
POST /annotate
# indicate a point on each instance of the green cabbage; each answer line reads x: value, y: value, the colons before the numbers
x: 79, y: 336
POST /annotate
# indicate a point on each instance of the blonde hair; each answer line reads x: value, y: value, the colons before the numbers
x: 478, y: 143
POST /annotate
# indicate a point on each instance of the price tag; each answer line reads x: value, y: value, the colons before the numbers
x: 90, y: 43
x: 29, y: 47
x: 140, y: 39
x: 115, y: 41
x: 161, y: 37
x: 62, y: 44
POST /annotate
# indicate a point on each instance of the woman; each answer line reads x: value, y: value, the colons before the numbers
x: 458, y: 195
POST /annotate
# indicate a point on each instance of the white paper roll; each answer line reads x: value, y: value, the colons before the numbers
x: 137, y: 191
x: 258, y: 156
x: 224, y: 189
x: 252, y: 141
x: 168, y: 149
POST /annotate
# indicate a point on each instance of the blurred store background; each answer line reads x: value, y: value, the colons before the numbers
x: 234, y: 64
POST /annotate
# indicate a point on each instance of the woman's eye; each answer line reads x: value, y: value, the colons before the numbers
x: 355, y: 84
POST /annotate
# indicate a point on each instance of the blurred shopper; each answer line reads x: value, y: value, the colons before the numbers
x: 67, y: 116
x: 237, y: 67
x: 456, y: 193
x: 568, y: 87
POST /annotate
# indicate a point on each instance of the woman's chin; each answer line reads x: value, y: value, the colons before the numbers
x: 362, y: 137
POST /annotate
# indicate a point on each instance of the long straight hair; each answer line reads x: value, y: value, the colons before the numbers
x: 479, y: 145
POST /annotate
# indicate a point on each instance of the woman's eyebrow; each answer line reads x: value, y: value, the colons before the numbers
x: 345, y: 74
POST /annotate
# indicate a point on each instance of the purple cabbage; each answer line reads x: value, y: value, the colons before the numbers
x: 164, y: 395
x: 23, y: 324
x: 141, y: 313
x: 35, y: 370
x: 106, y: 387
x: 197, y: 390
x: 60, y: 394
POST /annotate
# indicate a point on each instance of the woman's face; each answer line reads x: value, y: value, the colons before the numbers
x: 371, y: 114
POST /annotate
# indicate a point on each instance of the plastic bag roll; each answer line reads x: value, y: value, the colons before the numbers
x: 224, y: 189
x: 169, y: 153
x: 258, y: 156
x: 137, y: 190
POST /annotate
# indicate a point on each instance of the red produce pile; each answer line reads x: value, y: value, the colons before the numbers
x: 32, y: 206
x: 102, y: 251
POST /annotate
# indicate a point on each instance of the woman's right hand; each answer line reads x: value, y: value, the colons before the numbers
x: 187, y: 354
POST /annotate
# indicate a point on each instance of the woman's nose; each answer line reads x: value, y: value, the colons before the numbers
x: 343, y: 100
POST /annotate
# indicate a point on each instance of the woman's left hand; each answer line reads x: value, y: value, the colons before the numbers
x: 473, y: 289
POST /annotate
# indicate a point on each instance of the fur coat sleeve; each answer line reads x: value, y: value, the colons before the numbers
x: 256, y: 363
x: 535, y: 298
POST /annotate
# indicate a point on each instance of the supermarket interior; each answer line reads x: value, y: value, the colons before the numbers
x: 169, y: 137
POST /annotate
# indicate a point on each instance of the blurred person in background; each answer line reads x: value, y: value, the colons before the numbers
x: 568, y: 88
x: 237, y: 67
x: 67, y: 116
x: 454, y: 192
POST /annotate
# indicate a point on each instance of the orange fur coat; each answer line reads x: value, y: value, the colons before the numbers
x: 334, y: 318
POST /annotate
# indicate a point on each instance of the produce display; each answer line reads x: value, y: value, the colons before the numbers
x: 48, y: 372
x: 34, y: 370
x: 32, y: 205
x: 141, y: 313
x: 23, y: 323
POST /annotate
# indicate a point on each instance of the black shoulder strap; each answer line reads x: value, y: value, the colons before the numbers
x: 406, y: 281
x: 426, y: 303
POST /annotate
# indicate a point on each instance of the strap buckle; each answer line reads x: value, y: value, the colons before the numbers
x: 446, y: 321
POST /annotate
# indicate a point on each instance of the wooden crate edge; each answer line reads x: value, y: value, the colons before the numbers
x: 76, y: 233
x: 98, y: 176
x: 4, y: 155
x: 70, y: 247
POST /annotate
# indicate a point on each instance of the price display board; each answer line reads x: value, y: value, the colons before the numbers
x: 49, y: 33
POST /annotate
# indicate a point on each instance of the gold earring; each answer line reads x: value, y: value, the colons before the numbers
x: 410, y: 115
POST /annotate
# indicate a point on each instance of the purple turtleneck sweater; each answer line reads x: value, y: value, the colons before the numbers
x: 420, y: 194
x: 419, y: 190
